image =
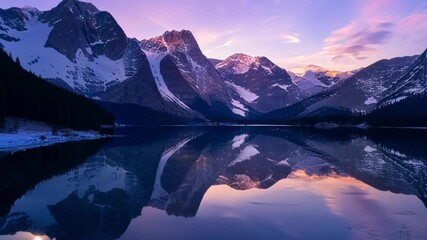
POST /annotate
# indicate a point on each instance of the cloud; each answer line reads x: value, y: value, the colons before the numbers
x: 413, y: 23
x: 373, y: 8
x: 357, y: 41
x: 292, y: 38
x: 226, y: 44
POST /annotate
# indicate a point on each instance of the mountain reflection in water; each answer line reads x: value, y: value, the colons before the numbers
x: 220, y: 183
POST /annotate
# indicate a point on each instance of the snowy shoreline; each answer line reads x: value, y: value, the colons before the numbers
x: 23, y: 141
x: 19, y: 135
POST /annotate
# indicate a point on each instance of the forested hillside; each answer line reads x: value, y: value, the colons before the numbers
x: 24, y: 95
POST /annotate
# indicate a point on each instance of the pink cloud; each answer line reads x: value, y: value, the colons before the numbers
x: 372, y: 9
x: 357, y: 41
x: 413, y: 23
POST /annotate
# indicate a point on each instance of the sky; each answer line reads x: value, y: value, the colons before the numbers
x: 335, y: 34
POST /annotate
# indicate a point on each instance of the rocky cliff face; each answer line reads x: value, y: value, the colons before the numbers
x: 85, y: 28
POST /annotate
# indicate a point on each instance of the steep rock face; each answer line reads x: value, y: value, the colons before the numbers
x: 412, y: 83
x: 261, y: 83
x: 86, y: 28
x: 140, y: 87
x: 181, y: 49
x: 73, y: 45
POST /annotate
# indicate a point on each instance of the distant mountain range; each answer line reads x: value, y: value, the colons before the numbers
x: 78, y: 47
x: 316, y: 79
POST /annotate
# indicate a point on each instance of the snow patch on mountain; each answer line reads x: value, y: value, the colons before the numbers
x: 154, y: 59
x: 238, y: 108
x: 247, y: 95
x: 369, y: 149
x: 284, y: 87
x: 371, y: 100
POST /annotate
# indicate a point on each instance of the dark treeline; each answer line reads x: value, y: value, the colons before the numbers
x: 409, y: 112
x: 24, y: 95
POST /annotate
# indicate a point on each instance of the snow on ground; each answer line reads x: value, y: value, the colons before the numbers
x: 244, y: 93
x: 245, y: 154
x: 370, y: 100
x: 154, y: 59
x: 267, y: 69
x: 239, y: 140
x: 20, y: 134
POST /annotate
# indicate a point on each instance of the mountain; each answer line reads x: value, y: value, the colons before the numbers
x: 404, y: 106
x: 168, y: 73
x: 412, y: 83
x: 261, y: 83
x: 184, y: 74
x: 358, y: 94
x: 316, y: 79
x: 92, y: 57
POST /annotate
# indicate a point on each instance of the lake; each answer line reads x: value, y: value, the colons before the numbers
x: 220, y: 183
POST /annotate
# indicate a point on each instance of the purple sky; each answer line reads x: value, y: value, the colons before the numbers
x: 336, y: 34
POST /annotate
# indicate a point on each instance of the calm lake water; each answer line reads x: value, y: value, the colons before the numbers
x: 220, y: 183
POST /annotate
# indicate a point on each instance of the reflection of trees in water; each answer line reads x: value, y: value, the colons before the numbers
x: 23, y: 170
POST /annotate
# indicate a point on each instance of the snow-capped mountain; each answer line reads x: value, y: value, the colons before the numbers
x: 260, y: 82
x: 79, y: 47
x: 74, y: 45
x: 316, y: 79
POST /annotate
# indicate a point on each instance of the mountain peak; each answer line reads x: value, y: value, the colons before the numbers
x: 243, y: 61
x: 171, y: 41
x: 85, y: 27
x: 183, y: 36
x: 75, y: 7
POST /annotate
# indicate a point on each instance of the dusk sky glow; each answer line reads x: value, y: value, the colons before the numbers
x: 335, y: 34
